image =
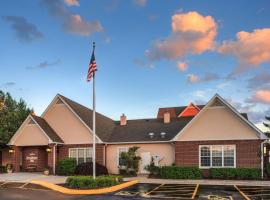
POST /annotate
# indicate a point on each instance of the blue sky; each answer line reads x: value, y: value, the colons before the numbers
x: 149, y: 53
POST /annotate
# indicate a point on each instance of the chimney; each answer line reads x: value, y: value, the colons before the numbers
x: 167, y: 117
x: 123, y: 120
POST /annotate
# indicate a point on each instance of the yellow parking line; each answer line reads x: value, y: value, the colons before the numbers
x: 154, y: 189
x: 242, y: 193
x: 195, y: 191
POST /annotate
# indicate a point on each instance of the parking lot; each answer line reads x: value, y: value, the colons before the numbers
x: 28, y: 191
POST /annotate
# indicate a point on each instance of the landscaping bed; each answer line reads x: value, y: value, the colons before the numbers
x: 87, y: 182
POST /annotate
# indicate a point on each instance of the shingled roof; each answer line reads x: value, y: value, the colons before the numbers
x: 104, y: 125
x: 137, y: 130
x: 47, y: 129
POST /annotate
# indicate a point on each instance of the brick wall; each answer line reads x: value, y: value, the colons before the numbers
x: 63, y: 151
x: 40, y: 162
x: 247, y: 152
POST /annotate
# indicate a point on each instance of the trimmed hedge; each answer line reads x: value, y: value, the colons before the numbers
x: 268, y: 169
x: 235, y: 173
x: 87, y: 169
x: 174, y: 172
x: 87, y: 182
x: 66, y: 166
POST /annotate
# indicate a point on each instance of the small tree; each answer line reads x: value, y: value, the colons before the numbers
x: 266, y: 123
x: 131, y: 160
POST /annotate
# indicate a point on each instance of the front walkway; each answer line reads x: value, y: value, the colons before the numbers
x: 28, y: 177
x: 143, y: 179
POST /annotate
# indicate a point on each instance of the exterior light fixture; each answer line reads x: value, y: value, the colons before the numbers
x: 264, y: 150
x: 49, y: 150
x: 11, y: 151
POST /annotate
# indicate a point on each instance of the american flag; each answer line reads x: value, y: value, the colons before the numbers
x: 92, y: 66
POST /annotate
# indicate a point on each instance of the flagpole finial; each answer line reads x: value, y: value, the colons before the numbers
x: 94, y: 44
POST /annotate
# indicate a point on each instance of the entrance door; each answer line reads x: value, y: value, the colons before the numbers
x: 146, y: 160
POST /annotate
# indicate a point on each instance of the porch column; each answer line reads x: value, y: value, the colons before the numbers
x: 52, y: 158
x: 16, y: 158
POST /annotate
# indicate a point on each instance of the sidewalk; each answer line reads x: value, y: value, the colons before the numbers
x: 201, y: 182
x: 28, y: 177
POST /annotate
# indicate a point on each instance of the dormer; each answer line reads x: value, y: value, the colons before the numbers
x: 190, y: 111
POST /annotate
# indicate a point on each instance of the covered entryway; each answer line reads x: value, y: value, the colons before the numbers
x: 34, y: 146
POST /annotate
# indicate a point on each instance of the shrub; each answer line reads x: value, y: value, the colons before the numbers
x: 235, y: 173
x: 3, y: 169
x: 152, y: 168
x: 130, y: 160
x: 67, y: 166
x: 87, y: 169
x: 174, y: 172
x: 87, y: 182
x: 268, y: 169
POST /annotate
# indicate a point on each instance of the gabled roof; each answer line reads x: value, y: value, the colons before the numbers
x: 259, y: 133
x: 104, y: 125
x: 190, y: 110
x: 174, y: 111
x: 47, y: 129
x: 43, y: 125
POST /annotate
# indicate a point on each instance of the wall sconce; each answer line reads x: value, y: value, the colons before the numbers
x: 11, y: 151
x: 49, y: 150
x: 264, y: 150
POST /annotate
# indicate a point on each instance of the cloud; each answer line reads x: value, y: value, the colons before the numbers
x: 71, y: 23
x: 72, y: 2
x: 45, y: 64
x: 259, y: 80
x: 207, y: 77
x: 251, y: 49
x: 142, y: 63
x: 192, y: 78
x: 8, y: 84
x: 140, y: 2
x: 25, y: 31
x: 260, y: 96
x: 182, y: 66
x: 192, y: 33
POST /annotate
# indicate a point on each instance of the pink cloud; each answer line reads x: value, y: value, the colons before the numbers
x: 192, y: 78
x: 72, y: 2
x: 182, y: 66
x: 192, y: 33
x: 140, y: 2
x: 260, y: 96
x: 250, y: 48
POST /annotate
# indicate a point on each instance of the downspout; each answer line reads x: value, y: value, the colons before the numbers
x: 54, y: 154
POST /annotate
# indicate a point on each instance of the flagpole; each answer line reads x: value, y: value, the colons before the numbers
x: 94, y: 123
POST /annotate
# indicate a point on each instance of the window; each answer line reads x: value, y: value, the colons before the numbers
x: 217, y: 156
x: 81, y: 154
x: 120, y: 160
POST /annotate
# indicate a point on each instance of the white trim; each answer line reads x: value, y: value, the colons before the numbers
x: 77, y: 152
x: 53, y: 102
x: 222, y: 156
x: 118, y: 151
x: 259, y: 133
x: 141, y: 142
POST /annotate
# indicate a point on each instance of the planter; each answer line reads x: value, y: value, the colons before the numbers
x: 46, y: 172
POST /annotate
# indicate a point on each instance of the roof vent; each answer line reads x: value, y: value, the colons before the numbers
x: 162, y: 134
x: 151, y: 135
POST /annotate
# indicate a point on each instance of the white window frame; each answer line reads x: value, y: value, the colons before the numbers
x: 84, y: 153
x: 118, y: 152
x: 210, y: 146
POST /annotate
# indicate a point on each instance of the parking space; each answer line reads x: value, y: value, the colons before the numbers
x: 254, y: 192
x: 20, y: 185
x: 162, y: 191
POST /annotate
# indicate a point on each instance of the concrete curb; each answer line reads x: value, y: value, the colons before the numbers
x: 92, y: 191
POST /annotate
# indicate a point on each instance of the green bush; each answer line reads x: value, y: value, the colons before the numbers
x: 235, y: 173
x: 66, y: 166
x: 87, y: 182
x: 268, y: 169
x: 3, y: 169
x: 174, y: 172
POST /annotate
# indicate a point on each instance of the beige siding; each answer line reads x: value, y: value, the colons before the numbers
x: 217, y: 123
x: 67, y: 125
x: 165, y: 151
x: 31, y: 135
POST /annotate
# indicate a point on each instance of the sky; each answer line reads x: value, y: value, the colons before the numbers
x: 150, y: 53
